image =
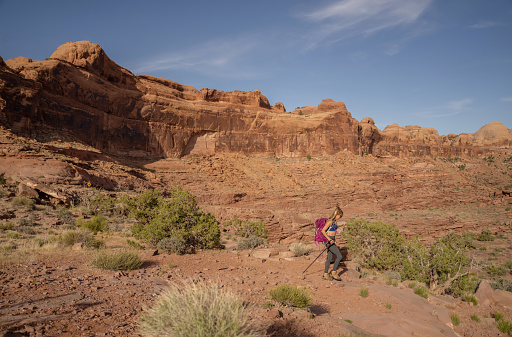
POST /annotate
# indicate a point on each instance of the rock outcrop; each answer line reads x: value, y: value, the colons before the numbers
x: 79, y: 89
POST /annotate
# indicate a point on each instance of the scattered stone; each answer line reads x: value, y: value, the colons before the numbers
x: 77, y: 246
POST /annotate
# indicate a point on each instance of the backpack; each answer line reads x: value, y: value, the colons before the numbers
x: 319, y: 225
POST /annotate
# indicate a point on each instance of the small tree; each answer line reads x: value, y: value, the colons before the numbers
x: 179, y: 216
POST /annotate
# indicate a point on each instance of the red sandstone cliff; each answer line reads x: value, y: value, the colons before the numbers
x: 80, y: 89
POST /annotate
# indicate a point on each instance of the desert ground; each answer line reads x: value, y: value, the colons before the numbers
x: 50, y: 289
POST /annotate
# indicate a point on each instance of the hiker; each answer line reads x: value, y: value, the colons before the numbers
x: 329, y: 231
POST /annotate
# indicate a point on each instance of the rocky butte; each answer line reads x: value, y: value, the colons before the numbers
x: 80, y: 89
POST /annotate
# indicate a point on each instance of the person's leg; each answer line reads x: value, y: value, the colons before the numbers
x: 328, y: 261
x: 336, y: 251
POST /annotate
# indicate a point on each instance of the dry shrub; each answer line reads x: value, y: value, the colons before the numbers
x: 195, y: 310
x: 120, y: 260
x: 300, y: 249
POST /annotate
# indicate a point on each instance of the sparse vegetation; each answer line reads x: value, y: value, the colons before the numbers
x: 475, y: 318
x: 495, y: 270
x: 116, y: 260
x: 290, y: 296
x: 300, y: 249
x: 363, y: 292
x: 23, y: 203
x: 504, y: 325
x: 191, y: 310
x: 502, y: 284
x: 421, y: 291
x: 455, y: 319
x: 485, y: 235
x: 471, y: 299
x: 247, y: 228
x: 96, y: 224
x: 65, y: 215
x: 71, y: 237
x: 250, y: 242
x: 174, y: 244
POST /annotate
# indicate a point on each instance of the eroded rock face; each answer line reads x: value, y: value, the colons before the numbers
x: 81, y: 90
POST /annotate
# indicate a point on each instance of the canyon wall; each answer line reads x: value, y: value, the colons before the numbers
x: 79, y: 89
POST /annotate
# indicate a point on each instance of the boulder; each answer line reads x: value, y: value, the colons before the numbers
x: 26, y: 191
x: 503, y: 298
x: 485, y: 294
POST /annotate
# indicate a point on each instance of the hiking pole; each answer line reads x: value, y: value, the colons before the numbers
x: 326, y: 247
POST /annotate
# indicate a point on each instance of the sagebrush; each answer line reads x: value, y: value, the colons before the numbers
x: 200, y: 310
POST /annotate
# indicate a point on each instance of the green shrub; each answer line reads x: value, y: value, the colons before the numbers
x: 475, y: 318
x: 12, y: 235
x: 378, y: 244
x: 248, y: 228
x: 96, y: 224
x: 179, y: 216
x: 250, y: 242
x: 25, y: 230
x: 290, y: 296
x: 300, y: 249
x: 134, y: 244
x: 363, y: 292
x: 485, y: 235
x: 455, y: 319
x: 23, y: 202
x: 443, y: 264
x: 65, y: 215
x: 116, y: 260
x: 173, y: 244
x: 105, y: 204
x: 508, y: 264
x: 502, y: 284
x: 495, y: 270
x: 505, y: 327
x: 388, y: 306
x: 3, y: 181
x: 471, y: 299
x: 498, y: 316
x: 421, y: 291
x: 70, y: 237
x: 201, y: 310
x: 6, y: 226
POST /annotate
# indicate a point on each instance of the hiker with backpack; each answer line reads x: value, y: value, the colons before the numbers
x: 328, y: 237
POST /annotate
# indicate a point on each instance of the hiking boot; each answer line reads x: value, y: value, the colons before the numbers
x: 335, y: 276
x: 327, y: 277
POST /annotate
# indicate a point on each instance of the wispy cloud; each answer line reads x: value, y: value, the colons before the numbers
x: 449, y: 109
x: 218, y: 57
x: 349, y: 18
x: 507, y: 99
x: 485, y: 24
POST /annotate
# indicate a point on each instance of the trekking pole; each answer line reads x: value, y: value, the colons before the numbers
x: 326, y: 247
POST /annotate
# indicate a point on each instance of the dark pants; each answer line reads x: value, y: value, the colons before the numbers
x: 332, y: 251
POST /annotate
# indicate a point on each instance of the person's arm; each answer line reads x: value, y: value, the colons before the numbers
x: 324, y: 230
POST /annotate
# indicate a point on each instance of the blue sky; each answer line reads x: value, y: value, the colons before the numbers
x: 433, y: 63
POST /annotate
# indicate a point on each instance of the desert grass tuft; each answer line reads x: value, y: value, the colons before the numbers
x: 201, y: 310
x: 421, y: 291
x: 455, y: 319
x: 363, y: 292
x: 116, y: 260
x: 287, y: 295
x: 300, y: 249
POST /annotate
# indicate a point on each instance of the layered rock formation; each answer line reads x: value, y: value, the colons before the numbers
x: 80, y: 89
